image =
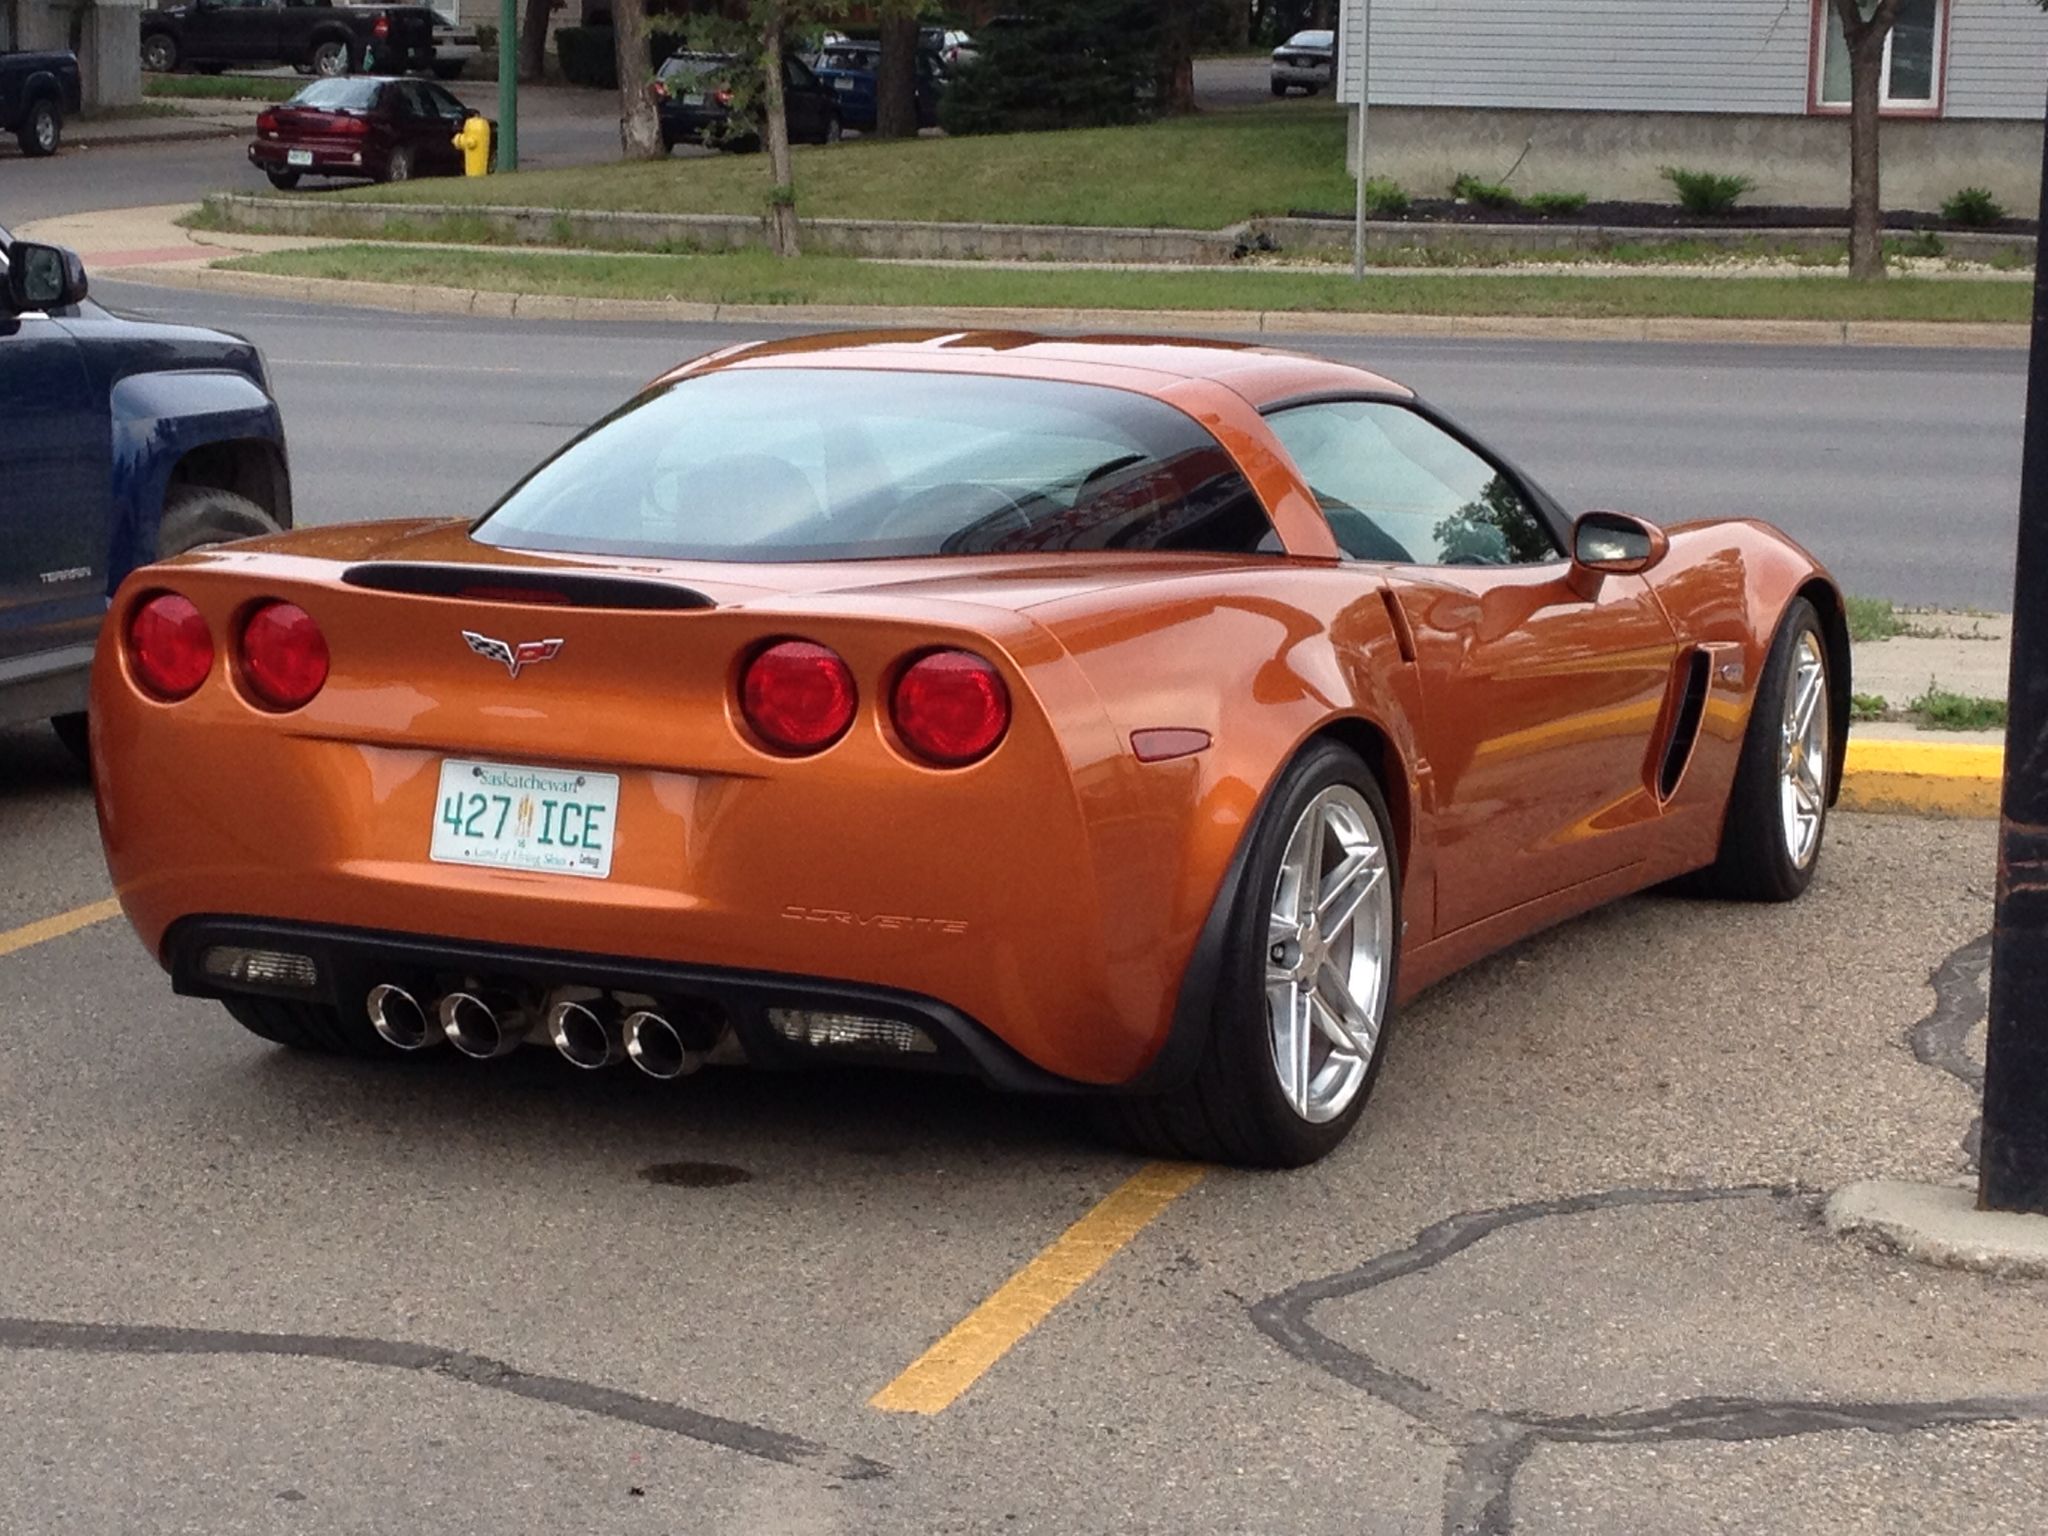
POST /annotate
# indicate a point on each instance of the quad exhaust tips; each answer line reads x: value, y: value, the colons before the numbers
x: 484, y: 1025
x: 400, y: 1020
x: 656, y: 1046
x: 587, y: 1032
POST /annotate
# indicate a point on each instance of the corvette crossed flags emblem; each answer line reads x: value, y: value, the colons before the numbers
x: 524, y: 654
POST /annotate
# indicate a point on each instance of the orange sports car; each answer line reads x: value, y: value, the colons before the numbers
x: 1120, y: 717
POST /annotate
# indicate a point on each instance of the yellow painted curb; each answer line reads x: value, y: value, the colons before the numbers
x: 1952, y: 778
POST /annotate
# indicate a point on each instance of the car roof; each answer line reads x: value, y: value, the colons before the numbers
x: 1261, y: 375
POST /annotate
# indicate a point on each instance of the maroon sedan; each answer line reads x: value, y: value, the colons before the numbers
x: 360, y: 126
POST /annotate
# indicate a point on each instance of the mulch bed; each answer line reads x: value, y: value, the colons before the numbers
x: 1443, y: 210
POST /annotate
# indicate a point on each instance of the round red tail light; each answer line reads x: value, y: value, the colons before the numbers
x: 284, y: 655
x: 798, y: 697
x: 169, y: 649
x: 951, y: 707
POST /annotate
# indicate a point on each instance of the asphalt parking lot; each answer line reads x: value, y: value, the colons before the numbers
x: 1568, y: 1278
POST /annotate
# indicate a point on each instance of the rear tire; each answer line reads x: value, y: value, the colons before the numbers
x: 1759, y: 859
x: 448, y: 69
x: 329, y: 58
x: 314, y: 1027
x: 200, y: 516
x: 159, y: 53
x: 399, y: 166
x: 42, y: 130
x: 1279, y: 89
x: 1237, y: 1108
x: 72, y: 731
x: 284, y: 181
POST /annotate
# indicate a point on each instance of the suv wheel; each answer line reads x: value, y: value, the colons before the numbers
x: 42, y: 128
x: 159, y: 53
x: 330, y: 58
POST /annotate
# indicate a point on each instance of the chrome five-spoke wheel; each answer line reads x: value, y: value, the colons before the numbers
x: 1330, y: 939
x: 1803, y: 761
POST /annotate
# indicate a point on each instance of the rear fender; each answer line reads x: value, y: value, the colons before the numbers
x: 210, y: 424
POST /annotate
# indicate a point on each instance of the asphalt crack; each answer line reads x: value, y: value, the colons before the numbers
x: 1491, y: 1446
x: 480, y: 1371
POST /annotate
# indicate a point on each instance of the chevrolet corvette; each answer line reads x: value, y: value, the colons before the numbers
x: 1124, y: 718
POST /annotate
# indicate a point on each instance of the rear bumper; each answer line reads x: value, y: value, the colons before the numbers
x: 349, y: 962
x: 273, y: 155
x: 1302, y: 74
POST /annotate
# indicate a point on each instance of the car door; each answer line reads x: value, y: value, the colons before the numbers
x: 414, y: 124
x: 448, y: 114
x: 1541, y: 704
x: 808, y: 105
x: 55, y: 478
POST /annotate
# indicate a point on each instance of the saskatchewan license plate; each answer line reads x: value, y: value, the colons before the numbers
x: 504, y: 816
x: 298, y: 157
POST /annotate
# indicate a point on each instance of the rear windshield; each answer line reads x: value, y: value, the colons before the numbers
x: 1312, y: 40
x: 344, y: 95
x: 692, y: 66
x: 828, y: 464
x: 847, y: 58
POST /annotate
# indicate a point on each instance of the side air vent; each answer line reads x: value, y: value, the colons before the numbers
x: 1685, y: 729
x: 497, y: 584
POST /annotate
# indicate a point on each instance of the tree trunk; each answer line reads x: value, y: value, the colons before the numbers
x: 1176, y: 58
x: 533, y: 39
x: 782, y: 235
x: 1866, y: 93
x: 639, y: 125
x: 896, y: 79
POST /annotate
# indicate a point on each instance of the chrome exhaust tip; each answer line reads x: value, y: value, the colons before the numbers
x: 656, y: 1046
x: 400, y: 1020
x: 484, y: 1025
x: 587, y: 1033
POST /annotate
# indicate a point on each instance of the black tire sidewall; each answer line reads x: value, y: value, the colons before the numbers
x: 1757, y: 833
x: 1240, y: 1050
x: 44, y: 111
x: 170, y: 52
x: 399, y: 166
x: 197, y: 515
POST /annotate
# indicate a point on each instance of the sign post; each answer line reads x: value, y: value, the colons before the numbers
x: 1363, y: 43
x: 2014, y: 1155
x: 508, y: 85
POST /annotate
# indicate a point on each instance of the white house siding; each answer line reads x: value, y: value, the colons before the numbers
x: 1613, y: 55
x: 1997, y: 59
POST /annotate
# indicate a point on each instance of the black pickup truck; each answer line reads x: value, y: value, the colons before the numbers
x: 36, y: 90
x: 325, y: 39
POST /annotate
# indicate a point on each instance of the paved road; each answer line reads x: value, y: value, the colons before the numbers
x: 1900, y: 468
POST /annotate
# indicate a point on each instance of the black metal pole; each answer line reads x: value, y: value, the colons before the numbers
x: 2014, y: 1155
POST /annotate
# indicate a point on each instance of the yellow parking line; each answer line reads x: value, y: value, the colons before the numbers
x: 56, y: 927
x: 938, y: 1376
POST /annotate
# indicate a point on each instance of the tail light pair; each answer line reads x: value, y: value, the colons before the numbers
x: 280, y: 654
x: 949, y: 707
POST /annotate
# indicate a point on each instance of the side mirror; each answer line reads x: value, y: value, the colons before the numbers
x: 1616, y: 544
x: 43, y: 277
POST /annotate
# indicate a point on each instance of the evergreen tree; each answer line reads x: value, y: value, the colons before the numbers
x: 1060, y: 64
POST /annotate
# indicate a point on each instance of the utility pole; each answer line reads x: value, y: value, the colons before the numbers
x: 1363, y: 43
x: 2014, y: 1154
x: 508, y: 85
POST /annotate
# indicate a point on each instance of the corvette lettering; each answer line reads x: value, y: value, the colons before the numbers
x: 886, y: 922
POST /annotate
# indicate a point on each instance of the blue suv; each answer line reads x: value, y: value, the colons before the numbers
x: 120, y: 442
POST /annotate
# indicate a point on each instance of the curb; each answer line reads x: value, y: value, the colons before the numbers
x: 82, y: 138
x: 428, y: 299
x: 1923, y: 777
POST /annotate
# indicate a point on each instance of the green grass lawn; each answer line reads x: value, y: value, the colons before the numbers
x: 220, y: 87
x: 753, y: 277
x: 1192, y: 173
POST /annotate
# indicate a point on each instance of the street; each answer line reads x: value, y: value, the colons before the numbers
x: 400, y: 415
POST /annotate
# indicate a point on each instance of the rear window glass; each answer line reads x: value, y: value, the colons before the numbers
x: 846, y: 58
x: 344, y: 95
x: 827, y: 464
x: 692, y: 67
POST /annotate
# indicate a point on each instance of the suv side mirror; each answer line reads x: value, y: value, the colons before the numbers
x: 1612, y: 544
x: 43, y: 277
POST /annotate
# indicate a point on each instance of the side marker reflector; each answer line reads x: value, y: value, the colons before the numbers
x: 1162, y: 743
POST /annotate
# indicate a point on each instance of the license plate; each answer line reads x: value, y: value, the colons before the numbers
x: 842, y: 85
x: 692, y: 98
x: 298, y: 157
x: 558, y: 821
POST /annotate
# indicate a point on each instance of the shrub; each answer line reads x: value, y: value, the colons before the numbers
x: 1556, y: 203
x: 1384, y: 198
x: 1707, y: 192
x: 1071, y: 64
x: 588, y: 56
x: 1868, y: 706
x: 1974, y: 207
x: 1487, y: 194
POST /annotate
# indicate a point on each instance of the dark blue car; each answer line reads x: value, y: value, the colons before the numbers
x: 849, y: 70
x: 120, y: 442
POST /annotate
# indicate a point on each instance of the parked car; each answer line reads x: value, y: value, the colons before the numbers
x: 851, y: 70
x: 36, y: 90
x: 1145, y: 722
x: 455, y: 44
x: 953, y: 47
x: 695, y: 104
x: 362, y: 128
x: 1306, y: 62
x: 324, y: 39
x: 121, y: 442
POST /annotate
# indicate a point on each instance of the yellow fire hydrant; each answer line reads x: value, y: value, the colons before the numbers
x: 474, y: 140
